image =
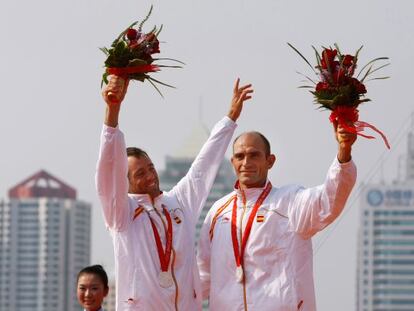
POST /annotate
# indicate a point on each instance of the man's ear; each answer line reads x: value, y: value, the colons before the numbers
x: 271, y: 159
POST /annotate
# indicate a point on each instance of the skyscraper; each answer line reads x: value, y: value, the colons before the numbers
x: 44, y: 242
x: 385, y: 276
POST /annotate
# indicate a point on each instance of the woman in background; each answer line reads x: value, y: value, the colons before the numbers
x: 92, y: 287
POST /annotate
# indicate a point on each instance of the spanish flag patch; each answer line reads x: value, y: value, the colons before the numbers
x: 177, y: 219
x: 260, y: 218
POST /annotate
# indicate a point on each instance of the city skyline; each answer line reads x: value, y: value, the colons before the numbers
x: 54, y: 111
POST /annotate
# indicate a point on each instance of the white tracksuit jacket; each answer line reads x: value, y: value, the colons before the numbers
x: 137, y: 264
x: 278, y: 254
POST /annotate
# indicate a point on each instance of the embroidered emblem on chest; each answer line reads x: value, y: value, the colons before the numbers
x: 176, y: 218
x: 260, y: 217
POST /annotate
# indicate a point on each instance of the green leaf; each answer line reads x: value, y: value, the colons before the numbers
x: 153, y: 84
x: 366, y: 74
x: 105, y: 51
x: 380, y: 67
x: 136, y: 62
x: 145, y: 19
x: 169, y: 66
x: 303, y: 57
x: 172, y: 59
x: 306, y: 77
x: 379, y: 78
x: 104, y: 78
x: 357, y: 52
x: 370, y: 62
x: 165, y: 84
x: 318, y: 57
x: 305, y: 87
x: 159, y: 30
x: 339, y: 51
x: 120, y: 47
x: 153, y: 30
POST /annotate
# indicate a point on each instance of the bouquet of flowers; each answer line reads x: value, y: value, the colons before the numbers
x: 339, y: 90
x: 131, y: 55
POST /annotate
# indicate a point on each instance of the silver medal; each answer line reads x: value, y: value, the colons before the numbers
x: 165, y: 279
x: 239, y: 274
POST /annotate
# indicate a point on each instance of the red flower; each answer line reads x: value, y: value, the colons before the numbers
x: 348, y: 60
x: 359, y: 87
x: 155, y: 47
x: 322, y: 86
x: 328, y: 56
x: 152, y: 43
x: 338, y: 76
x: 132, y: 34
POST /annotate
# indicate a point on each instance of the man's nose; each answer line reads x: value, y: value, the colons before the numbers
x: 246, y: 161
x: 88, y: 293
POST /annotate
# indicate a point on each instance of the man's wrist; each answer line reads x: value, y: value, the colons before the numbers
x: 344, y: 154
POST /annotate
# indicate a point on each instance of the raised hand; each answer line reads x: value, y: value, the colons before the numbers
x: 345, y: 141
x: 114, y: 94
x: 115, y: 90
x: 240, y: 94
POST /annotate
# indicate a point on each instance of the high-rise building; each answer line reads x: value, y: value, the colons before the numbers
x: 385, y: 275
x: 44, y: 242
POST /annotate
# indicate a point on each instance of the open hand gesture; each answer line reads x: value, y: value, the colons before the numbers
x: 240, y: 94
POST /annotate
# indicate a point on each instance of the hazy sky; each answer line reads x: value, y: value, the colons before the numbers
x: 52, y: 109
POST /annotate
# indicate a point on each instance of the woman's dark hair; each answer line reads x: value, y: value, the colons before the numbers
x: 97, y: 270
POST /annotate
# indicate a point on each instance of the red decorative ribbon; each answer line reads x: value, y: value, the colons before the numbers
x: 125, y: 71
x: 239, y: 254
x: 344, y: 114
x: 164, y: 256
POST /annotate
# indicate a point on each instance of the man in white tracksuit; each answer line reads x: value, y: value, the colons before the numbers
x: 255, y: 250
x: 153, y: 231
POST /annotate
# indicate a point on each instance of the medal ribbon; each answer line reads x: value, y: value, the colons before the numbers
x: 163, y: 256
x: 238, y: 255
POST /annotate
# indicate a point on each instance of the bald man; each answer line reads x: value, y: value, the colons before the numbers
x: 255, y: 250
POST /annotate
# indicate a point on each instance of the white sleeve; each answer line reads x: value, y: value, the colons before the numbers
x: 111, y: 178
x: 203, y: 255
x: 312, y: 209
x: 193, y: 189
